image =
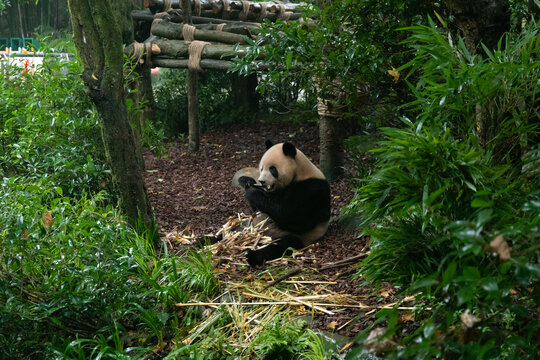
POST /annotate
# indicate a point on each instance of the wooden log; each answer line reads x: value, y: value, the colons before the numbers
x: 179, y: 49
x: 210, y: 64
x: 253, y: 14
x: 142, y: 15
x: 172, y: 30
x: 176, y: 17
x: 157, y: 5
x: 257, y: 6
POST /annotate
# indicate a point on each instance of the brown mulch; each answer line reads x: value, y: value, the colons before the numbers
x: 192, y: 192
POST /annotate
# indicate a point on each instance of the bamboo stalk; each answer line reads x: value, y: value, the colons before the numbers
x: 283, y: 277
x: 310, y: 305
x: 296, y: 302
x: 309, y: 282
x: 342, y: 261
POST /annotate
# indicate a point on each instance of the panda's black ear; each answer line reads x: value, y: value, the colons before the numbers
x: 268, y: 144
x: 289, y: 150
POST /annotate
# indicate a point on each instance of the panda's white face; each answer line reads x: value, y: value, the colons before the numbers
x: 277, y: 169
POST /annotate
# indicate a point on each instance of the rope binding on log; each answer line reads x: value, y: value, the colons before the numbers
x: 226, y: 12
x: 262, y: 13
x: 140, y: 49
x: 195, y: 51
x: 167, y: 5
x: 245, y: 10
x: 188, y: 32
x: 197, y: 9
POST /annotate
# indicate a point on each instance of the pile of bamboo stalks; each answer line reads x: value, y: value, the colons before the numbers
x: 223, y: 25
x: 252, y: 302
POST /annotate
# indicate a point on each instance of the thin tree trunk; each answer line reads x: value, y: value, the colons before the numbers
x: 98, y: 39
x: 192, y: 83
x: 331, y: 152
x: 21, y: 28
x: 245, y: 93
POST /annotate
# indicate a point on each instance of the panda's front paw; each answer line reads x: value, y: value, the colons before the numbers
x: 255, y: 258
x: 246, y: 181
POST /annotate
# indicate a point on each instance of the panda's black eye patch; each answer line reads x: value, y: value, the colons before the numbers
x: 273, y: 171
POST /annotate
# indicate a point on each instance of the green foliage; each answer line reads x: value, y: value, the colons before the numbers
x: 76, y: 282
x: 216, y: 103
x: 452, y: 212
x: 47, y: 130
x: 495, y: 97
x: 197, y: 273
x: 286, y: 339
x: 281, y: 339
x: 352, y: 43
x: 61, y: 265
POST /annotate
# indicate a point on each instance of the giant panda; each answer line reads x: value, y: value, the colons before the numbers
x: 292, y: 194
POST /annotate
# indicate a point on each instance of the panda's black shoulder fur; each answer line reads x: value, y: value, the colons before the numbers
x: 297, y: 208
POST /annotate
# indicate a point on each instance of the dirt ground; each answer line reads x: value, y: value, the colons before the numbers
x: 192, y: 192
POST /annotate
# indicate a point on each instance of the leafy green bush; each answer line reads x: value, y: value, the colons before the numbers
x: 48, y: 130
x: 282, y: 339
x: 65, y: 266
x: 216, y: 103
x: 348, y: 50
x: 495, y: 98
x: 452, y: 212
x: 75, y: 280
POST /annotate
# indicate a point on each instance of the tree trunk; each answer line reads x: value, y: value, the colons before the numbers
x: 245, y: 93
x: 481, y: 21
x: 98, y: 39
x: 192, y: 83
x: 332, y: 152
x: 21, y: 26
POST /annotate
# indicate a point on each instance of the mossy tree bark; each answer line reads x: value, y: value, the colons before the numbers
x: 332, y: 149
x: 98, y: 36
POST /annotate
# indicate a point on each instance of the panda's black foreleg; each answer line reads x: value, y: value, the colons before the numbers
x: 274, y: 250
x: 204, y: 240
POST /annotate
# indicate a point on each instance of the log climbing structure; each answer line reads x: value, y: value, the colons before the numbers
x: 217, y: 32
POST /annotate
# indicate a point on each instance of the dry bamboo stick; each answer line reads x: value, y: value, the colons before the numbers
x: 342, y: 261
x: 237, y: 303
x: 309, y: 282
x: 283, y: 277
x: 310, y: 305
x: 298, y: 303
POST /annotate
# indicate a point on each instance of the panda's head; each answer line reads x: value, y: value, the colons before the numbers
x: 278, y: 166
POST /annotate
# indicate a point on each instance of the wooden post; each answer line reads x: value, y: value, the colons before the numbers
x: 192, y: 83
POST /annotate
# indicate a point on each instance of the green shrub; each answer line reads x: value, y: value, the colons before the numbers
x: 48, y: 130
x: 217, y: 106
x: 452, y: 211
x: 493, y: 98
x: 65, y: 265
